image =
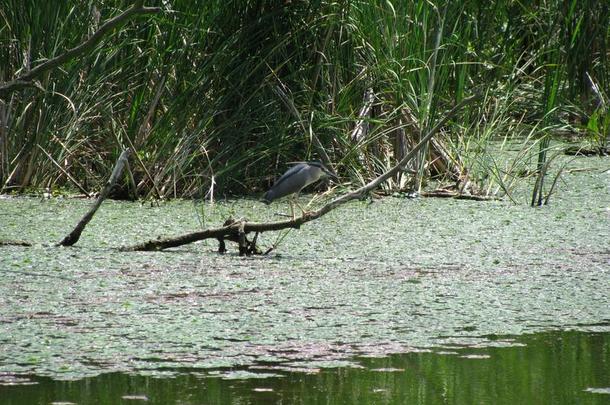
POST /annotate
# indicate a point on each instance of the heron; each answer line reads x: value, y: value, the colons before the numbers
x: 295, y: 179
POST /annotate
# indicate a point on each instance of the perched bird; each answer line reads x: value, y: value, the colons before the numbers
x: 297, y: 178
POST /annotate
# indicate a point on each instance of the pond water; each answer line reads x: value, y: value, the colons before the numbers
x: 549, y: 367
x: 423, y: 300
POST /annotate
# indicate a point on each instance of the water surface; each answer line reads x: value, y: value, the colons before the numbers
x: 369, y: 279
x: 549, y: 367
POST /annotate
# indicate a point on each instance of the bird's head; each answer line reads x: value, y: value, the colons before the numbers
x: 325, y: 171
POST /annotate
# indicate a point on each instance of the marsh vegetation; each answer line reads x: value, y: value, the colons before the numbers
x: 387, y: 299
x: 214, y: 96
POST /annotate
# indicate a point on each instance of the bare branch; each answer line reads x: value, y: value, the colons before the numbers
x: 65, y: 172
x: 26, y: 80
x: 74, y: 236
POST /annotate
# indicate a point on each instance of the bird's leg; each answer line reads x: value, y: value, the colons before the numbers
x: 296, y: 201
x: 291, y: 215
x: 292, y: 209
x: 314, y: 198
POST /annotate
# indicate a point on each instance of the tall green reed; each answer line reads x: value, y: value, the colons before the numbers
x: 224, y: 92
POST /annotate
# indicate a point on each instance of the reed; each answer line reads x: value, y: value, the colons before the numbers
x: 223, y: 93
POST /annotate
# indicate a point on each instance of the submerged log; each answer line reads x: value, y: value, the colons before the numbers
x: 583, y: 151
x: 457, y: 195
x: 14, y: 243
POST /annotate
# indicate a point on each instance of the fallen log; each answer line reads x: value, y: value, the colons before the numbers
x: 14, y: 243
x: 237, y: 229
x: 457, y: 195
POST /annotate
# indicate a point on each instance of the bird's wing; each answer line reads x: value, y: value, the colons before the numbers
x: 293, y: 170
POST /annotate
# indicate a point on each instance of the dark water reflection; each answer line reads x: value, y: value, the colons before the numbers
x: 543, y: 368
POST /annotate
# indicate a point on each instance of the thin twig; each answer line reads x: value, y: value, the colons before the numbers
x: 64, y: 171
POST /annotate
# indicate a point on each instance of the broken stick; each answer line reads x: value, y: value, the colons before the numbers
x: 74, y: 236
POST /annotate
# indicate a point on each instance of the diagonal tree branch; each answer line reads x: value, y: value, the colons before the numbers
x: 74, y: 236
x: 27, y: 79
x: 233, y: 229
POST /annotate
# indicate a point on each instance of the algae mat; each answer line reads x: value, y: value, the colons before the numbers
x: 394, y: 276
